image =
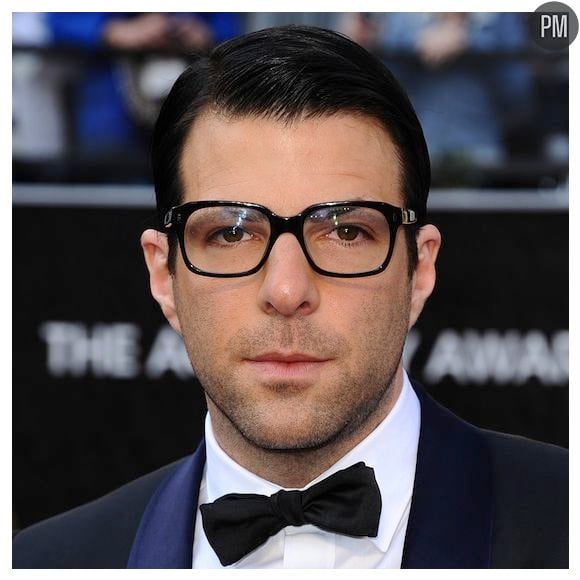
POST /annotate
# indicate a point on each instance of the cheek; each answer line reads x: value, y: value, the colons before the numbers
x: 196, y: 316
x: 376, y: 320
x: 209, y: 313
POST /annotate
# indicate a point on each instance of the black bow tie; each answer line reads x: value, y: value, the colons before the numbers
x: 347, y: 502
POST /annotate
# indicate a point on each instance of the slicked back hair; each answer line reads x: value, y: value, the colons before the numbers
x: 286, y: 74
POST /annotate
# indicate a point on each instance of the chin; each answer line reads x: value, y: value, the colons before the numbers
x: 291, y: 436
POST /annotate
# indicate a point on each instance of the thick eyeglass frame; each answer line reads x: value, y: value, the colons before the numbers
x: 176, y: 218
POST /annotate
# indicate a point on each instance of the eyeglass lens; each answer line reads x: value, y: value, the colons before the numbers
x: 340, y: 239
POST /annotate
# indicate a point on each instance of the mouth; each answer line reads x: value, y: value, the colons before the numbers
x: 292, y: 357
x: 279, y: 365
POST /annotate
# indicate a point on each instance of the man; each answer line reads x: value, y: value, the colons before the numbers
x: 292, y: 176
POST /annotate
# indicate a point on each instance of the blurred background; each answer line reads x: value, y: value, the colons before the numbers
x: 103, y: 391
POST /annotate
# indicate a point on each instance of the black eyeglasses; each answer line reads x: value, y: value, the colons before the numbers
x: 345, y: 239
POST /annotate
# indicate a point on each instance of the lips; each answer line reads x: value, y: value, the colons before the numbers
x: 287, y: 358
x: 279, y: 365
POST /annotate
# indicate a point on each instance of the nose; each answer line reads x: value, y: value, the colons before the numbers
x: 289, y: 284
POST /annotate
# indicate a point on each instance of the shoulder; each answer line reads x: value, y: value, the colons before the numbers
x: 98, y: 534
x: 530, y: 485
x: 520, y: 456
x: 527, y: 469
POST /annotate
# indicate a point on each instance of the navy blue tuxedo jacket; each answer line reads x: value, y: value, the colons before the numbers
x: 480, y: 499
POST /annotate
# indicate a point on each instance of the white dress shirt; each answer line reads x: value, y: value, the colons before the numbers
x: 391, y: 450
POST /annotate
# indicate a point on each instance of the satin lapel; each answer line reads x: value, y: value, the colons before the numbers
x: 165, y: 535
x: 451, y: 511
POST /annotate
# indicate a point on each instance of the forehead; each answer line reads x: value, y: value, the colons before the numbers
x: 287, y: 166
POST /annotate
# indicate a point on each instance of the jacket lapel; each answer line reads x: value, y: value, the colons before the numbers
x: 451, y: 511
x: 165, y: 535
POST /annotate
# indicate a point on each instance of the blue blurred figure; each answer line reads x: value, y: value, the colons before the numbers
x: 461, y: 103
x: 103, y: 121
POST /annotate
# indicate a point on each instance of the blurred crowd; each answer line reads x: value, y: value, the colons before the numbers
x: 87, y: 88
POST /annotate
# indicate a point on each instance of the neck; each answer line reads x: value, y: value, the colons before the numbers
x: 297, y: 468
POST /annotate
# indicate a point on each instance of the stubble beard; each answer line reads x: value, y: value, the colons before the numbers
x: 326, y: 428
x: 359, y: 394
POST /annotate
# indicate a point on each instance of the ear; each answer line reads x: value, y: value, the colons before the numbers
x: 428, y: 244
x: 156, y: 250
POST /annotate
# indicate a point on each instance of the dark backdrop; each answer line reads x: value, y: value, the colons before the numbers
x: 103, y: 392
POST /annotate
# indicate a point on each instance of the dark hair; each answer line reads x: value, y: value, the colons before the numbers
x: 288, y: 73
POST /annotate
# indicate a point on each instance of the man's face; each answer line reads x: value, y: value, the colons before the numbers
x: 290, y: 358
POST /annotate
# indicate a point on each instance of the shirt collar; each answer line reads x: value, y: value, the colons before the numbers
x: 391, y: 450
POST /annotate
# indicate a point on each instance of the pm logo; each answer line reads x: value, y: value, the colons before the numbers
x: 554, y: 26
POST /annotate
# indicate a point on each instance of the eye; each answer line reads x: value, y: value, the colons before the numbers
x: 228, y: 236
x: 348, y: 233
x: 231, y: 235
